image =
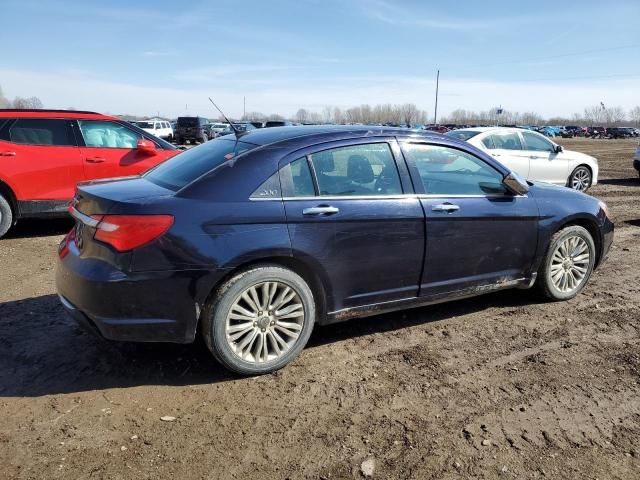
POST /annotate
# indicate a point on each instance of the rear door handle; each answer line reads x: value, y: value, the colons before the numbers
x: 495, y: 154
x: 534, y: 156
x: 7, y: 154
x: 445, y: 207
x: 95, y: 160
x: 320, y: 210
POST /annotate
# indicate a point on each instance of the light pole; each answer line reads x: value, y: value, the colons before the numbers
x: 435, y: 114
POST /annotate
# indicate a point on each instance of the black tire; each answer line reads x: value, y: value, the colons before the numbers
x: 179, y: 141
x: 214, y: 318
x: 580, y: 179
x: 6, y: 216
x: 545, y: 282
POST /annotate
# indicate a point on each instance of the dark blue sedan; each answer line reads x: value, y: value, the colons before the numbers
x: 253, y: 240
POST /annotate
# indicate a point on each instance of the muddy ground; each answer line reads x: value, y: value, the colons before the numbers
x: 500, y: 386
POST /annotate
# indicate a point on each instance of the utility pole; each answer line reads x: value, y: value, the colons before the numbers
x: 244, y: 108
x: 435, y: 114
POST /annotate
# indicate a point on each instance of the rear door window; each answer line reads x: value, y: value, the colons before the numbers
x: 506, y: 140
x: 184, y: 168
x: 41, y: 131
x: 367, y: 169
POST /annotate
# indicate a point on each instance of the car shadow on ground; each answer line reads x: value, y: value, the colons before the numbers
x: 31, y: 228
x: 621, y: 182
x: 42, y: 352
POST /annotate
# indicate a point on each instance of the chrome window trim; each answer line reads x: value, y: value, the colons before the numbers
x: 381, y: 197
x: 86, y: 219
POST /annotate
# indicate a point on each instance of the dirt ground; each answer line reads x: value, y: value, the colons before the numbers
x: 500, y: 386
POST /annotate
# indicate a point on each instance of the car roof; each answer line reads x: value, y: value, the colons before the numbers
x: 50, y: 113
x: 321, y: 133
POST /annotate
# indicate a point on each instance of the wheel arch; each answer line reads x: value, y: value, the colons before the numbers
x: 317, y: 284
x: 587, y: 166
x: 7, y: 192
x: 589, y: 224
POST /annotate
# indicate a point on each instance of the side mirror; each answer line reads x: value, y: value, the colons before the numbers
x: 559, y: 148
x: 516, y: 184
x: 146, y: 146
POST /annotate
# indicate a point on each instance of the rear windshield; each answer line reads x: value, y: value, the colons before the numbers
x: 184, y: 168
x: 462, y: 134
x: 188, y: 121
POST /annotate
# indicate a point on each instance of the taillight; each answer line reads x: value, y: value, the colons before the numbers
x: 126, y: 232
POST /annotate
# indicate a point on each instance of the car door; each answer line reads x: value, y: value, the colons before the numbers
x: 507, y: 148
x: 545, y: 163
x: 479, y: 235
x: 352, y: 212
x: 40, y: 158
x: 110, y: 150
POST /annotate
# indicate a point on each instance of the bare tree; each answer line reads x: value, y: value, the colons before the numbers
x: 634, y: 115
x: 4, y: 102
x: 595, y: 115
x: 327, y: 114
x: 276, y: 117
x: 31, y: 103
x: 254, y: 117
x: 614, y: 116
x: 302, y: 115
x: 337, y: 115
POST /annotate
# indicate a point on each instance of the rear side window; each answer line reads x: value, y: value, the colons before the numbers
x: 462, y: 134
x: 297, y: 180
x: 184, y: 168
x: 40, y: 131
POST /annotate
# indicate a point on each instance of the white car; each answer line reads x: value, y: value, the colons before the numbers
x: 159, y: 128
x: 533, y: 156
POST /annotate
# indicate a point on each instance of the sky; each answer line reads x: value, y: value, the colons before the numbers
x: 166, y: 57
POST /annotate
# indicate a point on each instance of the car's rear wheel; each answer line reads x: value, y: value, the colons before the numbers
x: 580, y: 178
x: 259, y: 320
x: 568, y: 263
x: 6, y: 216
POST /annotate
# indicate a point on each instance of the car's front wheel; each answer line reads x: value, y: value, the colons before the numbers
x: 6, y: 216
x: 259, y: 320
x: 568, y: 263
x: 580, y: 179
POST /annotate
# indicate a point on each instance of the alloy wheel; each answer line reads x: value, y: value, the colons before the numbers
x: 581, y: 180
x: 570, y: 264
x: 264, y: 322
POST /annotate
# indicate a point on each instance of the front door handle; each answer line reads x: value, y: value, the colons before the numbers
x: 7, y: 154
x: 95, y: 160
x: 445, y: 207
x: 495, y: 154
x: 320, y: 210
x: 534, y: 156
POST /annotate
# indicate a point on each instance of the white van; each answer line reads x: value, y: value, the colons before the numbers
x: 159, y: 128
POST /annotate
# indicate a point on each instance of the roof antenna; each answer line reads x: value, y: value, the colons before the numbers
x: 235, y: 130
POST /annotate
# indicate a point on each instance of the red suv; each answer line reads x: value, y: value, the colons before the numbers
x: 45, y: 153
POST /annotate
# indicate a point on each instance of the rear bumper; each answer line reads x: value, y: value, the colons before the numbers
x: 140, y: 307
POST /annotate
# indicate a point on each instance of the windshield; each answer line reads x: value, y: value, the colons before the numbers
x: 145, y: 124
x: 462, y: 134
x: 184, y: 168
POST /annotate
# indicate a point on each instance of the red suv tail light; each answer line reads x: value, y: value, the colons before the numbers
x: 126, y: 232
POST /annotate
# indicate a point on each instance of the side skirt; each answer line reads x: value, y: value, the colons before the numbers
x: 42, y: 208
x: 415, y: 302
